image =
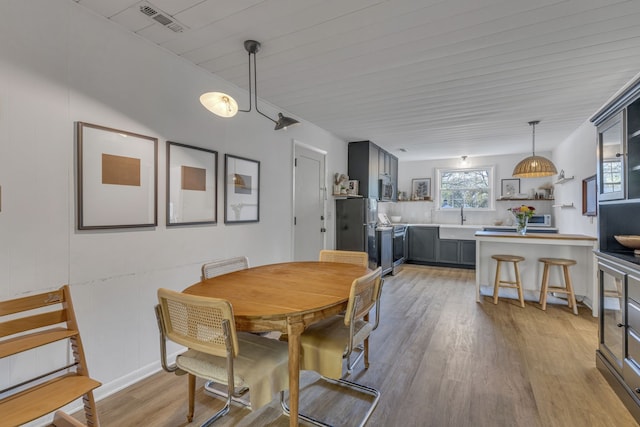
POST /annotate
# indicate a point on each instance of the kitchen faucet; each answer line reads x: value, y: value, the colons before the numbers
x: 462, y: 218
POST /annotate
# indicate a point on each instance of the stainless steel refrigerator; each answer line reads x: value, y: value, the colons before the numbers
x: 356, y: 226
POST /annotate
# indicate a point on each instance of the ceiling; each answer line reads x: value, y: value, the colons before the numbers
x: 437, y: 78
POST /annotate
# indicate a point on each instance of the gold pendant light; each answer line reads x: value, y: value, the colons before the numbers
x: 534, y: 166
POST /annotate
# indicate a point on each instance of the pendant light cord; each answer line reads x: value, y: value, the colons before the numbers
x: 534, y: 123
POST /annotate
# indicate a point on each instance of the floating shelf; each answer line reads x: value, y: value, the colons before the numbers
x: 524, y: 200
x: 565, y: 179
x: 564, y: 205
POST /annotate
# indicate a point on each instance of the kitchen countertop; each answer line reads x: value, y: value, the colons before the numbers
x: 549, y: 236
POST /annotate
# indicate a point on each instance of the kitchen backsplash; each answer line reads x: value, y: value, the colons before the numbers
x: 425, y: 212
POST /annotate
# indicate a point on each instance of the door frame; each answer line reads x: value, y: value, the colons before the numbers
x: 295, y: 143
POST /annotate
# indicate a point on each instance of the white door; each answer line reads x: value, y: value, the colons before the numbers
x: 309, y: 202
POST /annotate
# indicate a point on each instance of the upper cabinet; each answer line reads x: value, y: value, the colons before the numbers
x: 618, y: 125
x: 375, y: 169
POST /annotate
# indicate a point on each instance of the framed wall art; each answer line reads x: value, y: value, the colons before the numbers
x: 421, y: 188
x: 117, y: 177
x: 510, y: 187
x: 352, y: 187
x: 192, y: 190
x: 241, y: 189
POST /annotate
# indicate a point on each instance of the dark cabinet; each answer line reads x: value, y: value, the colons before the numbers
x: 426, y: 247
x: 618, y: 354
x: 369, y: 164
x: 457, y: 252
x: 422, y: 244
x: 385, y: 250
x: 449, y: 251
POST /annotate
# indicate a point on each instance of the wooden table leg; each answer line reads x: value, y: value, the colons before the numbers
x: 294, y: 329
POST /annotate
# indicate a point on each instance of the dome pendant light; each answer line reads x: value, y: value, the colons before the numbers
x: 534, y: 166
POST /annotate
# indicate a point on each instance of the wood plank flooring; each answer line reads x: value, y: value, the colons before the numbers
x: 439, y: 359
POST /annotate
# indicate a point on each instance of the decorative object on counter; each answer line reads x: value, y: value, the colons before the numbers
x: 352, y: 187
x: 589, y: 196
x: 630, y: 241
x: 522, y: 215
x: 224, y: 105
x: 117, y: 178
x: 340, y: 184
x: 510, y: 187
x: 421, y: 188
x: 534, y: 166
x: 396, y: 218
x: 192, y: 183
x: 241, y: 189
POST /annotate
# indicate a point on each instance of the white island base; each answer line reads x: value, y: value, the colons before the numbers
x: 532, y: 247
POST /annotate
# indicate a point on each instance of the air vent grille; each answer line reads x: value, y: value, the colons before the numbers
x: 162, y: 18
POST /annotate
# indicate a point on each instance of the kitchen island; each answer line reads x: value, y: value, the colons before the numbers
x: 532, y: 247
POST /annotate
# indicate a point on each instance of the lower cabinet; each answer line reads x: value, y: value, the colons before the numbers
x: 426, y: 247
x: 618, y: 354
x: 422, y: 244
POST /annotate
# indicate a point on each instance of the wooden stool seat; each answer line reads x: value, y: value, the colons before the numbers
x: 498, y: 282
x: 567, y: 289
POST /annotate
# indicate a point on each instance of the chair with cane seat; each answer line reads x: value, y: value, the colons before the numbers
x: 349, y: 257
x: 217, y: 352
x: 327, y: 343
x: 224, y: 266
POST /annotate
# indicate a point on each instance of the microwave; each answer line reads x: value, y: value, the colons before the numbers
x: 540, y: 221
x: 385, y: 190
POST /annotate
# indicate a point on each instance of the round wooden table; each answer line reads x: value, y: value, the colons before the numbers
x: 284, y: 297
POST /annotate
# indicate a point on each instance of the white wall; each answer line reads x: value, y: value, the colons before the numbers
x: 59, y: 64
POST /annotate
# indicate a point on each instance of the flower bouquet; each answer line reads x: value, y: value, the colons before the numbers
x: 522, y: 215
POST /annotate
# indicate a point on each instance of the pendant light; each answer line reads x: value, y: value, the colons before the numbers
x: 534, y: 166
x: 224, y: 105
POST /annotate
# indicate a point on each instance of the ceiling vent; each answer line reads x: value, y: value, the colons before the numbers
x: 162, y: 18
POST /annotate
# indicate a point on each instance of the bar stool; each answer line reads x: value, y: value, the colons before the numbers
x: 515, y: 259
x: 567, y: 289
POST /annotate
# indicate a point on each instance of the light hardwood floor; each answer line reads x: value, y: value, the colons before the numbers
x: 439, y: 359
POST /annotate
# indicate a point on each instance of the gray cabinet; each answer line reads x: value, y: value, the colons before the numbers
x: 422, y: 244
x: 457, y: 252
x: 618, y: 353
x: 426, y: 247
x: 385, y: 250
x: 368, y: 164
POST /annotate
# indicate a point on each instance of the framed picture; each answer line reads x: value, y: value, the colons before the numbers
x: 510, y: 187
x: 117, y: 177
x: 421, y: 188
x: 352, y: 187
x: 590, y: 196
x: 192, y: 190
x: 241, y: 189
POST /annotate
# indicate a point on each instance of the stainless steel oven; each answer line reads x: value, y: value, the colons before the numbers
x: 399, y: 245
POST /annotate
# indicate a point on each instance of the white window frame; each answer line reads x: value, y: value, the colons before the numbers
x: 492, y: 190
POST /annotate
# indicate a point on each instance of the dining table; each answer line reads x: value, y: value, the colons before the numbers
x: 285, y: 297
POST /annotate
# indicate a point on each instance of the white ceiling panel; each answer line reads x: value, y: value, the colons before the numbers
x: 440, y: 78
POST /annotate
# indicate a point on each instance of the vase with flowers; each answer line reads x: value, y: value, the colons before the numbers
x: 522, y: 215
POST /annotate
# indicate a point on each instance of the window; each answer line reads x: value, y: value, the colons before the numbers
x: 471, y: 188
x: 611, y: 176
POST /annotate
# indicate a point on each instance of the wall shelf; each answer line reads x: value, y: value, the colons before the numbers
x: 564, y: 205
x: 565, y: 179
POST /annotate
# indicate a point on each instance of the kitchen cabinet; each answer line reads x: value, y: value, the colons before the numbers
x: 422, y: 243
x: 618, y: 125
x: 385, y: 249
x: 618, y: 353
x: 426, y: 247
x: 453, y: 252
x: 368, y: 164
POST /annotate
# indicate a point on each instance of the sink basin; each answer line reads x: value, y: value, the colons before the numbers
x: 459, y: 232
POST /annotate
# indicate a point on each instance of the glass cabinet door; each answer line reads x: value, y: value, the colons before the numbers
x: 633, y: 150
x: 612, y: 317
x: 611, y: 159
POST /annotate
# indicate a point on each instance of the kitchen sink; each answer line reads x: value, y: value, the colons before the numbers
x: 459, y: 232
